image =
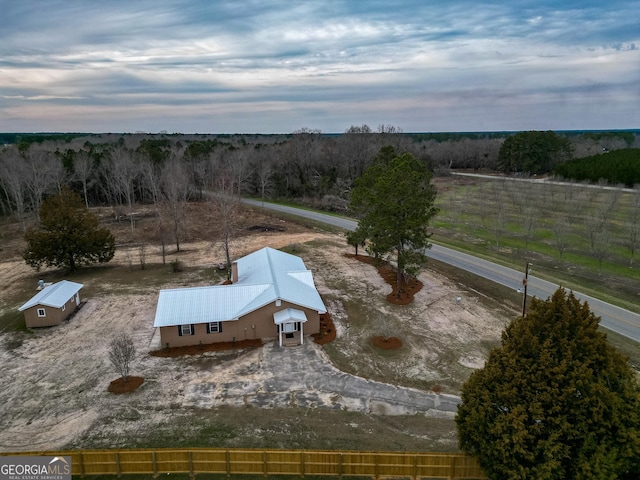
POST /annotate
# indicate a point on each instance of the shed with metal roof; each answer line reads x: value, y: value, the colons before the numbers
x: 52, y: 304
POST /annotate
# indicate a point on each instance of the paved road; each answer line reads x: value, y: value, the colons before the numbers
x: 613, y: 318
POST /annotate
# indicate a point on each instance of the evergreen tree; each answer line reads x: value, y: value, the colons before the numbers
x: 69, y: 235
x: 394, y: 200
x: 533, y: 152
x: 554, y: 401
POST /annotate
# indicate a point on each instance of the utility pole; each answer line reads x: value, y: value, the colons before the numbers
x: 525, y: 281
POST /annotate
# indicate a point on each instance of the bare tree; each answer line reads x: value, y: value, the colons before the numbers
x: 357, y: 146
x: 122, y: 174
x: 42, y: 172
x: 225, y: 210
x: 13, y: 180
x: 152, y: 182
x: 299, y: 171
x: 175, y: 190
x: 600, y: 243
x: 239, y: 166
x: 562, y: 230
x: 597, y: 223
x: 121, y: 353
x: 529, y: 221
x: 151, y: 176
x: 499, y: 217
x: 83, y: 168
x: 263, y: 173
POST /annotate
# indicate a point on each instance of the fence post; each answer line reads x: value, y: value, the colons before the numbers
x: 191, y: 474
x: 452, y: 469
x: 228, y: 459
x: 81, y: 457
x: 377, y: 466
x: 155, y: 464
x: 302, y: 463
x: 118, y: 471
x: 415, y: 467
x: 264, y: 463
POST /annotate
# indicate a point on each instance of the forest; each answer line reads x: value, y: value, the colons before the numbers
x: 316, y: 168
x: 617, y: 167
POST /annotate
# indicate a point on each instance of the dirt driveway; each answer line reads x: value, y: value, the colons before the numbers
x: 304, y: 377
x: 54, y: 381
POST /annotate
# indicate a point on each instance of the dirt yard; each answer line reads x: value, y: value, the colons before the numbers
x: 54, y: 380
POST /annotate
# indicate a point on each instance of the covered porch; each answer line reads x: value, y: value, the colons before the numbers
x: 290, y: 325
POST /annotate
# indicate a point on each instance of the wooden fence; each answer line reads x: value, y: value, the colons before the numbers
x: 194, y: 461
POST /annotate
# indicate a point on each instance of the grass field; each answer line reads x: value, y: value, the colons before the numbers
x: 575, y: 235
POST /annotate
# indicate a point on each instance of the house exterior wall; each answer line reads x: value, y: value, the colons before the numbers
x: 257, y: 324
x: 53, y: 315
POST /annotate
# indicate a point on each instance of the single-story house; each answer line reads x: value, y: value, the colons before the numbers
x: 272, y: 295
x: 51, y: 305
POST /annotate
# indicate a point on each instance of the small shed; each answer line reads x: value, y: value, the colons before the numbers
x: 51, y: 305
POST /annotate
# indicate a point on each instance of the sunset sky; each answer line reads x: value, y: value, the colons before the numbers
x: 273, y: 66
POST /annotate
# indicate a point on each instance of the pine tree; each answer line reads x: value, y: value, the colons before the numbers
x: 554, y: 401
x: 394, y: 199
x: 69, y: 235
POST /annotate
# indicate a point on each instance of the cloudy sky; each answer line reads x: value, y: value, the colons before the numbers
x: 274, y: 66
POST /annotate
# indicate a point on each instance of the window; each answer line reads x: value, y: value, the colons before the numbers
x: 214, y: 327
x: 186, y: 330
x: 41, y: 312
x: 64, y: 307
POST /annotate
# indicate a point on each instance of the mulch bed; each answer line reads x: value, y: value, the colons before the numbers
x: 327, y: 330
x: 120, y: 386
x: 209, y: 347
x: 391, y: 343
x: 388, y: 273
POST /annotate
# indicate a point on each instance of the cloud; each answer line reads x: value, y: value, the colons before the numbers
x: 273, y: 63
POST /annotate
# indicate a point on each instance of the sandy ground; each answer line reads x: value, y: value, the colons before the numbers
x: 54, y: 384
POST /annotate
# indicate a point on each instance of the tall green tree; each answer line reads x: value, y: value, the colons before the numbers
x: 533, y: 152
x: 554, y: 401
x: 394, y: 200
x: 69, y: 235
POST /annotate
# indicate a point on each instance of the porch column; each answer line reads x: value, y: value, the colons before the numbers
x: 301, y: 333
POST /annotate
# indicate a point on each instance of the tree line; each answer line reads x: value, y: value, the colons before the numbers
x: 168, y: 169
x: 617, y: 167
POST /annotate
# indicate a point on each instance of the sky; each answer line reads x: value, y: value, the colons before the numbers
x: 276, y: 66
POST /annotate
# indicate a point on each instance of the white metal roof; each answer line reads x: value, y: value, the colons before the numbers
x: 263, y: 277
x: 289, y: 314
x: 55, y: 295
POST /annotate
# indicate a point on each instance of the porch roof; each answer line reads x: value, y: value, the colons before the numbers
x: 289, y: 315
